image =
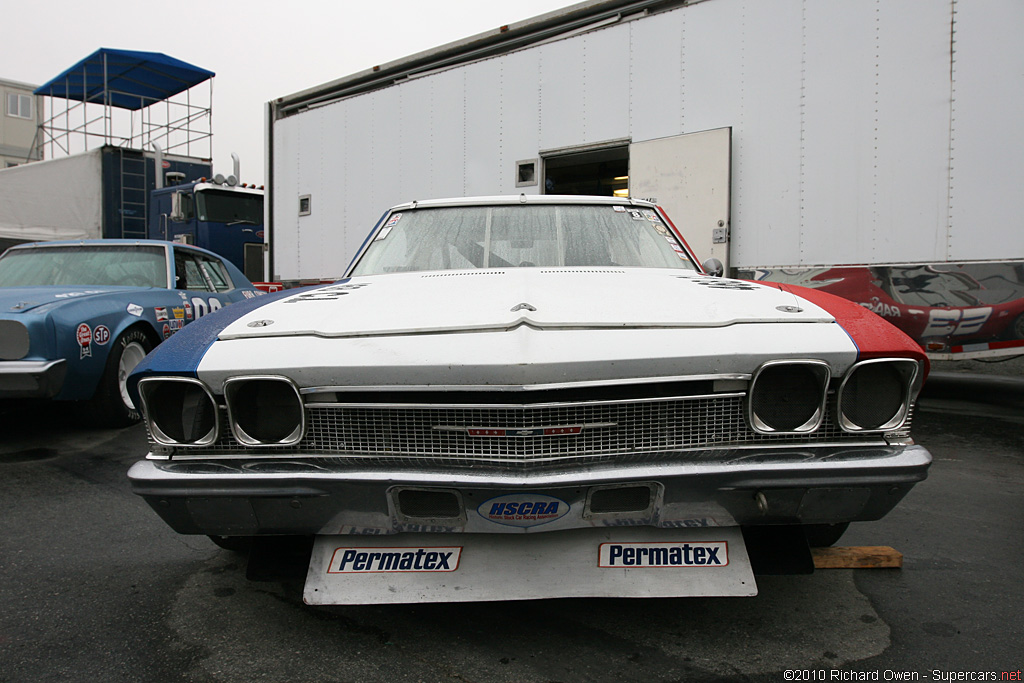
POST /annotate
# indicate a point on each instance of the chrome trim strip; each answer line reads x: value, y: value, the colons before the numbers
x: 530, y: 387
x: 28, y: 367
x: 526, y: 406
x: 872, y: 439
x: 888, y: 459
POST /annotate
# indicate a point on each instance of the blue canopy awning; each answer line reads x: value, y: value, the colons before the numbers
x: 131, y: 80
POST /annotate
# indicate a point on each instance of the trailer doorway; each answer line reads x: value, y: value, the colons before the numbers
x: 603, y: 172
x: 688, y: 175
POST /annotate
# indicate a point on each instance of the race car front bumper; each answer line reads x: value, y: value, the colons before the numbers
x: 803, y: 485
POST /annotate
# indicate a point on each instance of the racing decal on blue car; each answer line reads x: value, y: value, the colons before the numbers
x: 84, y: 336
x: 659, y: 555
x: 101, y: 335
x: 523, y: 509
x: 347, y: 560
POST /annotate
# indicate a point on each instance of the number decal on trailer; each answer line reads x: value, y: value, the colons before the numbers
x: 944, y: 322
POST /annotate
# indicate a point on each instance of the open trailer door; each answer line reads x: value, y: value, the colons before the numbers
x: 689, y: 176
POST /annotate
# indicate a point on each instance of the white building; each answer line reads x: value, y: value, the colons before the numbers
x: 777, y: 133
x: 22, y: 114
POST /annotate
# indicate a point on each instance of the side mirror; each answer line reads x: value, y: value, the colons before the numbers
x: 713, y: 267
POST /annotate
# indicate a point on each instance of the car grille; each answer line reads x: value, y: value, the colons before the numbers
x: 702, y: 428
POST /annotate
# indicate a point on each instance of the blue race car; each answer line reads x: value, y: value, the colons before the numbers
x: 77, y: 317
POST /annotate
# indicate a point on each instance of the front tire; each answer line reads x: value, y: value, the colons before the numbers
x: 111, y: 405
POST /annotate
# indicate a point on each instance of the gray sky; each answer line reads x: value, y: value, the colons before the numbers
x: 259, y: 49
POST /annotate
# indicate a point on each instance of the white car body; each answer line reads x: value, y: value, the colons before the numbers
x: 441, y: 405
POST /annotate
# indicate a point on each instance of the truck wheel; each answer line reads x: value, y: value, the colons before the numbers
x: 111, y: 406
x: 824, y: 535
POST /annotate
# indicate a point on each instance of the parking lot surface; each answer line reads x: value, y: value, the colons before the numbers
x: 93, y: 586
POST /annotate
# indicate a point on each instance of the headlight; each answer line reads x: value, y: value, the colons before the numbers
x: 876, y: 395
x: 180, y: 411
x: 265, y: 411
x: 14, y: 341
x: 788, y: 396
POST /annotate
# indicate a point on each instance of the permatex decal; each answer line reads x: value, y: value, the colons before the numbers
x: 654, y: 555
x: 348, y: 560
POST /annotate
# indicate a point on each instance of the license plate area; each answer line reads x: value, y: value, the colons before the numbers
x: 605, y: 562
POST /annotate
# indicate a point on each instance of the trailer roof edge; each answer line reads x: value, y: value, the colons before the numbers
x: 482, y: 45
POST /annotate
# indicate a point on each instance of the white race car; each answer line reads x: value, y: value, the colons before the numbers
x: 526, y: 397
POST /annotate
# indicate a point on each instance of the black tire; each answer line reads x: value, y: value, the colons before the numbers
x: 824, y: 535
x: 1016, y: 330
x: 238, y: 544
x: 111, y: 406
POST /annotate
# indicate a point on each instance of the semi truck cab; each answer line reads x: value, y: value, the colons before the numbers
x: 216, y: 214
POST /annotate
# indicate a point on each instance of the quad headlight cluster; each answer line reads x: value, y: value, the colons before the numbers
x: 790, y: 396
x: 261, y: 411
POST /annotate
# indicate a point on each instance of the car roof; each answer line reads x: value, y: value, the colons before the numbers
x: 507, y: 200
x: 113, y: 243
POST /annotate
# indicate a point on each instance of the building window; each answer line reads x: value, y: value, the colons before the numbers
x: 19, y: 105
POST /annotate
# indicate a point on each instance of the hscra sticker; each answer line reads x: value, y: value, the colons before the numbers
x: 348, y: 560
x: 660, y: 555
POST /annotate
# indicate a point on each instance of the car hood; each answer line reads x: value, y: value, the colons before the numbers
x: 486, y: 300
x: 24, y: 299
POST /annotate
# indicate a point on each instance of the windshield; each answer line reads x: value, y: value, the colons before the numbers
x: 132, y: 266
x: 218, y: 206
x: 542, y: 235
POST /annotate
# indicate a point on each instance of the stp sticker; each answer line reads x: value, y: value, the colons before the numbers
x: 523, y: 509
x: 84, y: 336
x: 660, y: 555
x: 348, y: 560
x: 101, y: 335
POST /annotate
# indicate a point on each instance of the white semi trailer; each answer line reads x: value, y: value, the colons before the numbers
x: 781, y: 136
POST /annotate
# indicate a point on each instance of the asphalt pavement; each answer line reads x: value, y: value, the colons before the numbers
x: 94, y: 587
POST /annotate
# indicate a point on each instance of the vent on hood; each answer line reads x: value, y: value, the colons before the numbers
x: 584, y: 270
x: 466, y: 272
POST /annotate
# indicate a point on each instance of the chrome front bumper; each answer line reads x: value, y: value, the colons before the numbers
x: 817, y: 485
x: 32, y: 379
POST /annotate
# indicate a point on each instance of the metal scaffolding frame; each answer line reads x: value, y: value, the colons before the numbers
x: 79, y: 116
